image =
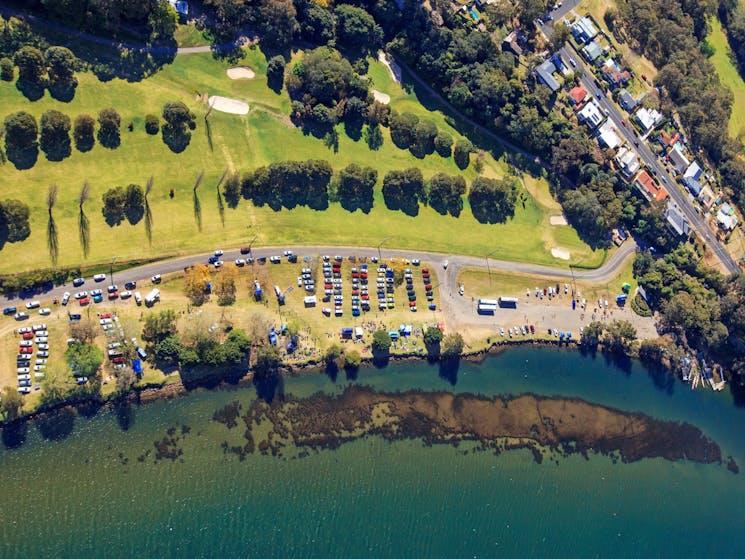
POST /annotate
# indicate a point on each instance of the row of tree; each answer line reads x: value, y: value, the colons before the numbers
x: 52, y: 69
x: 313, y: 184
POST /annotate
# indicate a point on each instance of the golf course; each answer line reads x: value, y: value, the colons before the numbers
x: 240, y: 143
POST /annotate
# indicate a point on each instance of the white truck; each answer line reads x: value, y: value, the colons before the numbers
x: 152, y: 297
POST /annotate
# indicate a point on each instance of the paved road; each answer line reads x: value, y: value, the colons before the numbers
x: 142, y: 274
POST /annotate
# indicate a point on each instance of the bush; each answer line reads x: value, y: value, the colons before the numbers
x: 444, y: 144
x: 82, y: 132
x: 275, y: 73
x: 109, y: 122
x: 352, y: 359
x: 7, y: 70
x: 640, y: 306
x: 152, y: 124
x: 55, y: 135
x: 21, y: 139
x: 462, y: 153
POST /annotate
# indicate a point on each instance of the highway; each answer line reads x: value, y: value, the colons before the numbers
x: 628, y: 133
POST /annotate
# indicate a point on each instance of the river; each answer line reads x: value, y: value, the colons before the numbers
x: 99, y: 491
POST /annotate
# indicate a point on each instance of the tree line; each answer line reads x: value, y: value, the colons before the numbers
x: 24, y: 136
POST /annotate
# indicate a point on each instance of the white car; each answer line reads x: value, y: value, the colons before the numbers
x: 25, y: 343
x: 96, y: 292
x: 125, y: 294
x: 445, y: 264
x: 218, y: 264
x: 39, y: 375
x: 219, y: 253
x: 24, y: 377
x: 41, y: 361
x: 22, y: 370
x: 65, y: 297
x: 20, y: 316
x: 275, y: 259
x: 33, y: 304
x: 240, y: 262
x: 42, y: 354
x: 501, y: 331
x: 44, y: 347
x: 41, y: 339
x: 41, y: 333
x: 113, y: 345
x: 138, y: 298
x: 39, y: 327
x: 99, y: 277
x: 24, y: 389
x: 156, y: 278
x: 46, y: 311
x: 108, y: 326
x: 105, y: 321
x: 38, y: 368
x: 24, y: 330
x: 415, y: 262
x: 81, y: 294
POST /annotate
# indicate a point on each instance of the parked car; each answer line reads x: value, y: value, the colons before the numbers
x: 42, y: 353
x: 77, y: 282
x: 33, y: 304
x: 20, y: 315
x: 9, y: 310
x: 65, y: 298
x: 24, y: 330
x: 138, y: 298
x: 240, y: 262
x: 44, y: 347
x: 41, y: 339
x: 125, y: 294
x: 22, y: 370
x: 99, y: 277
x: 156, y: 278
x: 25, y: 350
x: 81, y: 294
x: 46, y: 311
x: 38, y: 368
x: 275, y: 259
x: 130, y: 285
x: 41, y: 361
x: 219, y: 253
x: 25, y: 343
x: 96, y: 292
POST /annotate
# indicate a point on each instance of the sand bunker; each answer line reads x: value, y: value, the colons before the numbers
x: 560, y: 253
x: 393, y: 69
x: 558, y: 220
x: 226, y: 105
x: 381, y: 97
x: 241, y: 73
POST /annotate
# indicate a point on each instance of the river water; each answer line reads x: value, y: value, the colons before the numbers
x: 97, y: 491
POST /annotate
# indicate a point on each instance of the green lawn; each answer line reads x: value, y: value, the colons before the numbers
x: 243, y: 142
x: 728, y: 75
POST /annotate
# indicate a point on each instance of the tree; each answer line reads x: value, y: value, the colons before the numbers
x: 134, y: 204
x: 276, y: 19
x: 316, y: 23
x: 356, y: 29
x: 14, y: 224
x: 381, y: 342
x: 354, y: 187
x: 60, y: 63
x: 267, y: 361
x: 333, y: 353
x: 31, y: 67
x: 83, y: 359
x: 162, y: 21
x: 444, y: 144
x: 445, y: 193
x: 168, y: 350
x: 11, y: 403
x: 114, y: 204
x: 592, y: 335
x: 373, y: 136
x: 225, y: 285
x: 109, y: 122
x: 403, y: 129
x: 452, y: 346
x: 402, y: 190
x: 462, y: 153
x: 432, y: 339
x: 179, y: 121
x: 152, y: 124
x: 84, y: 331
x: 83, y: 130
x: 425, y: 132
x: 159, y: 325
x: 275, y: 73
x: 55, y: 135
x: 620, y: 336
x: 195, y: 285
x: 232, y: 190
x: 492, y: 200
x: 559, y: 37
x: 21, y: 139
x: 7, y: 70
x: 352, y: 359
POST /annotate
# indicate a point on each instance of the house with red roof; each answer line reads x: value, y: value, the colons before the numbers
x: 649, y: 188
x: 578, y: 95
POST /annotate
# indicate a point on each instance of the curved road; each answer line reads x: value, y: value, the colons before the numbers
x: 142, y: 274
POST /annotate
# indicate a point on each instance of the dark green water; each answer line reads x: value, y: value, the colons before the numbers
x: 89, y: 496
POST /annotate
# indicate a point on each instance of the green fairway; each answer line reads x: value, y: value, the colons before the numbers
x: 728, y: 75
x: 241, y: 143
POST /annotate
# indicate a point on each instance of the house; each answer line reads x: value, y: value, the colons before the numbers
x: 667, y: 140
x: 676, y: 220
x: 608, y: 135
x: 648, y: 118
x: 648, y: 187
x: 613, y: 74
x: 707, y: 197
x: 181, y: 7
x: 694, y: 171
x: 545, y: 74
x: 578, y: 95
x: 693, y: 185
x: 510, y: 44
x: 627, y: 102
x: 679, y: 161
x: 726, y: 218
x: 627, y: 161
x: 592, y: 51
x: 590, y: 114
x: 584, y: 30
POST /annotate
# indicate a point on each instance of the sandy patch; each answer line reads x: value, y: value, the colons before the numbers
x: 241, y: 73
x: 558, y: 220
x: 381, y: 97
x: 393, y: 68
x: 560, y: 253
x: 226, y: 105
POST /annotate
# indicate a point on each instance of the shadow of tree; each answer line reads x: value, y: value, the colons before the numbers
x: 14, y: 435
x: 31, y: 90
x: 56, y: 425
x: 58, y: 150
x: 110, y: 139
x: 124, y: 413
x: 64, y: 92
x: 176, y: 139
x: 269, y: 387
x: 448, y: 370
x: 23, y: 159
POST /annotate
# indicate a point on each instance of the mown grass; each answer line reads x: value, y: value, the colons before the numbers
x: 728, y: 75
x: 241, y: 143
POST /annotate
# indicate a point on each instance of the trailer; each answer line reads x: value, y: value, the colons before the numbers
x: 486, y: 309
x: 257, y: 290
x: 152, y: 297
x: 508, y: 302
x: 621, y: 299
x: 488, y: 302
x: 346, y: 333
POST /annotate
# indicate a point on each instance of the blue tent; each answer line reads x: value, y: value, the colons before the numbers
x: 137, y: 366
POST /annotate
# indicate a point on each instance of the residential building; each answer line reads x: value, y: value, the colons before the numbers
x: 584, y: 30
x: 667, y: 140
x: 590, y: 114
x: 693, y: 185
x: 627, y: 102
x: 592, y: 51
x: 545, y: 74
x: 649, y: 188
x: 726, y: 218
x: 648, y: 118
x: 694, y: 171
x: 608, y: 135
x: 676, y: 220
x: 613, y: 74
x: 578, y: 95
x: 511, y: 44
x: 627, y: 161
x: 707, y: 197
x: 679, y: 161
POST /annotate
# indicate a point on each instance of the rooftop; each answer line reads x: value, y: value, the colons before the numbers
x: 648, y: 187
x: 608, y: 136
x: 545, y: 74
x: 578, y: 94
x: 648, y: 118
x: 679, y: 161
x: 676, y: 219
x: 590, y: 114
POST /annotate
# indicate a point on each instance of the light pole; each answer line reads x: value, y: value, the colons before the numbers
x: 111, y: 269
x: 488, y: 268
x: 381, y: 244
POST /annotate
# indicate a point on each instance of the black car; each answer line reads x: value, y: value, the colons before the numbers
x: 130, y: 285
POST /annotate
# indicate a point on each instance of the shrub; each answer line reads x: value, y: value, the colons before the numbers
x: 152, y: 124
x: 82, y: 132
x: 640, y: 306
x: 7, y: 71
x: 109, y: 122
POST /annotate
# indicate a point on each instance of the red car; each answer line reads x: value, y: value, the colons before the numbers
x: 428, y: 287
x: 28, y: 336
x: 412, y: 303
x: 114, y: 295
x: 105, y: 315
x: 118, y: 359
x: 84, y: 301
x: 25, y: 350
